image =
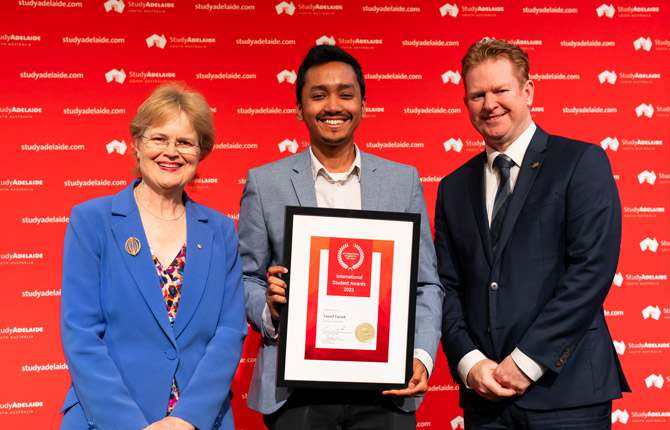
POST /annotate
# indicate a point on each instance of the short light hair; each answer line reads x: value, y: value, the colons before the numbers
x: 168, y: 101
x: 493, y: 49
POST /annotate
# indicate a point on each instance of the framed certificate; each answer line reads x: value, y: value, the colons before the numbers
x: 349, y: 320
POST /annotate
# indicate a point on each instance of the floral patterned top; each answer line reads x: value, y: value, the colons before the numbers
x: 171, y: 280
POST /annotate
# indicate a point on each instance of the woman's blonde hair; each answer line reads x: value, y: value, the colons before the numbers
x: 168, y: 101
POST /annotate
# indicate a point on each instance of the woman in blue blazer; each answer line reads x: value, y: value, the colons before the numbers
x: 152, y: 306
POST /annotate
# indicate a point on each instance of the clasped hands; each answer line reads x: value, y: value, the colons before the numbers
x: 494, y: 381
x: 275, y: 296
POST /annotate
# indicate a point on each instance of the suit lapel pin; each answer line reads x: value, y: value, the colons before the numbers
x: 199, y: 246
x: 133, y: 246
x: 535, y: 164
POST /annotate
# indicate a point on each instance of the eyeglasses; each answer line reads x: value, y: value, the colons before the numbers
x: 181, y: 145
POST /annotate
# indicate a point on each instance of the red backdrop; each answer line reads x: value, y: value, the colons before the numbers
x: 73, y: 74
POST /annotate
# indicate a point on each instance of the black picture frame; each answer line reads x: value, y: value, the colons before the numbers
x: 399, y: 229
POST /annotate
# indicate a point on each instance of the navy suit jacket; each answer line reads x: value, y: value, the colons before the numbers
x: 385, y: 186
x: 118, y: 342
x: 553, y: 266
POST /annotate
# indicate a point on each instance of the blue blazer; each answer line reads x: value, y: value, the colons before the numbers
x: 118, y: 342
x: 553, y: 266
x: 385, y: 186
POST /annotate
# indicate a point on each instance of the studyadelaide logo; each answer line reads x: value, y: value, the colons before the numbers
x: 643, y: 211
x: 353, y: 42
x: 651, y: 177
x: 605, y: 10
x: 452, y: 144
x: 646, y: 110
x: 20, y: 407
x: 161, y: 41
x: 114, y: 6
x: 325, y: 40
x: 619, y: 346
x: 626, y: 144
x: 639, y: 279
x: 635, y: 78
x: 451, y: 76
x: 141, y: 77
x: 157, y: 41
x: 117, y: 147
x: 643, y: 43
x: 12, y: 39
x: 450, y: 10
x: 20, y: 332
x: 286, y: 76
x: 642, y: 347
x: 285, y: 8
x: 116, y: 76
x: 649, y: 244
x: 651, y: 312
x: 478, y: 11
x: 203, y: 183
x: 22, y: 184
x: 20, y: 258
x: 607, y: 76
x: 652, y: 245
x: 118, y: 6
x: 632, y: 11
x: 20, y: 112
x: 620, y: 416
x: 288, y: 145
x: 38, y: 368
x: 654, y: 380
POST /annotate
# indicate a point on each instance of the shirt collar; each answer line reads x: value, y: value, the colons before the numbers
x: 318, y: 168
x: 515, y: 151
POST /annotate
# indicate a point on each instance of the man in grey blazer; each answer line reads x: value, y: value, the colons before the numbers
x: 332, y: 173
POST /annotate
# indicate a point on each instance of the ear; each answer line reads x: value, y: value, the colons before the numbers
x: 363, y: 104
x: 298, y: 111
x: 528, y: 91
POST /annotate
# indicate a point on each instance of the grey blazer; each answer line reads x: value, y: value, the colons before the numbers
x: 385, y: 186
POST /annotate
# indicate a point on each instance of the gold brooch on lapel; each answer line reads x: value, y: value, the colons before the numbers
x: 199, y: 246
x: 535, y: 164
x: 133, y: 246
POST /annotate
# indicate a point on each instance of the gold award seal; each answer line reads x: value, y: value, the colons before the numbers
x: 365, y: 332
x: 133, y: 246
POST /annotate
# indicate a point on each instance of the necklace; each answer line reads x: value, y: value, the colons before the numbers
x: 137, y: 199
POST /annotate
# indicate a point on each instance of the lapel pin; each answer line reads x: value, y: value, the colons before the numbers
x: 133, y: 246
x: 535, y: 164
x: 199, y: 246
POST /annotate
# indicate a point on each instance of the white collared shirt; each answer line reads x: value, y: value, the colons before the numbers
x: 337, y: 190
x: 514, y: 152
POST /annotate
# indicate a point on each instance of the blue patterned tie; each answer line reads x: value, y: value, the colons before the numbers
x: 503, y: 164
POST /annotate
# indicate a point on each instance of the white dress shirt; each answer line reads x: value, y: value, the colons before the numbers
x: 514, y: 152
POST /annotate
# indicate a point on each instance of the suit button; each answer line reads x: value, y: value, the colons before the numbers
x: 171, y: 354
x: 494, y: 286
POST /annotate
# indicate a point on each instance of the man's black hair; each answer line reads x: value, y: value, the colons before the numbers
x: 321, y: 54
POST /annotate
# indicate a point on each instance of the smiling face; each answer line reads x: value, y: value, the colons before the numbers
x: 498, y: 104
x: 168, y: 169
x: 331, y: 105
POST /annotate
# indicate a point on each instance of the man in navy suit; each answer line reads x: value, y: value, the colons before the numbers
x: 527, y: 236
x: 333, y: 173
